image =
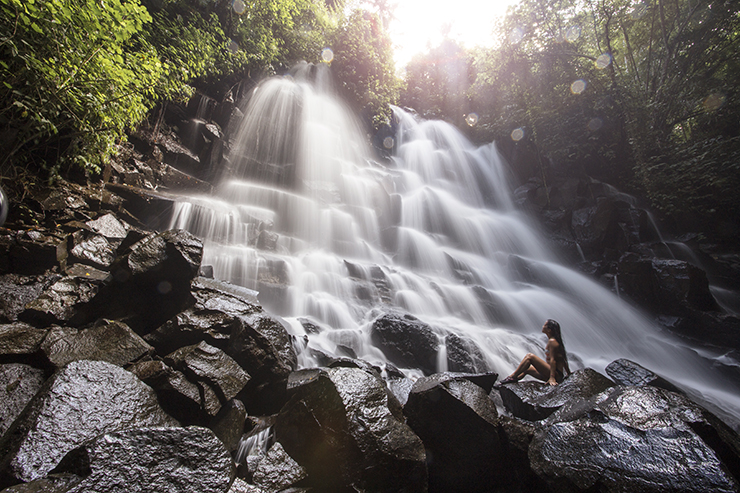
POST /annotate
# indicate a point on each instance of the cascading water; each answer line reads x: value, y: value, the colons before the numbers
x: 307, y: 219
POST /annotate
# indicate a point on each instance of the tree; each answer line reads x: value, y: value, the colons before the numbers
x: 363, y: 67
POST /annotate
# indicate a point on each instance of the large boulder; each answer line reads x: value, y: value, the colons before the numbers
x: 406, y: 341
x: 345, y: 427
x: 151, y: 281
x: 182, y: 399
x: 69, y: 301
x: 151, y: 459
x: 78, y: 403
x: 458, y: 424
x: 464, y: 355
x: 16, y: 291
x: 535, y: 400
x: 277, y: 470
x: 18, y: 384
x: 230, y: 318
x: 20, y: 340
x: 218, y: 376
x: 636, y: 439
x: 626, y: 372
x: 107, y: 340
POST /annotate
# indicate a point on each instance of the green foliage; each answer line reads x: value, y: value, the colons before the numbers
x: 78, y: 73
x: 658, y: 106
x: 437, y: 83
x: 69, y: 78
x: 363, y: 66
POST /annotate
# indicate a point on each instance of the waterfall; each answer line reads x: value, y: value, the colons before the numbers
x: 304, y: 216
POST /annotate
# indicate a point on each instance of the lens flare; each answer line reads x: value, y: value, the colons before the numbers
x: 516, y: 35
x: 238, y: 6
x: 713, y: 102
x: 517, y: 134
x: 388, y: 142
x: 233, y: 46
x: 595, y: 124
x: 639, y: 11
x: 573, y: 33
x: 327, y: 55
x: 471, y: 119
x: 603, y: 61
x: 578, y: 86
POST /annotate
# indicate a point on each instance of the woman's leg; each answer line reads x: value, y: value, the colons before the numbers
x: 532, y: 365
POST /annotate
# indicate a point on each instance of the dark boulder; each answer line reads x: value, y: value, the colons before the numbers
x: 108, y: 226
x: 18, y: 384
x: 458, y: 424
x: 53, y: 483
x: 20, y: 341
x: 91, y: 249
x: 636, y: 439
x: 346, y: 428
x: 179, y: 397
x: 30, y: 253
x: 151, y: 459
x: 535, y: 400
x: 76, y: 404
x: 107, y: 340
x: 669, y: 287
x: 17, y: 290
x: 277, y: 471
x: 214, y: 371
x: 626, y: 372
x: 406, y: 341
x: 464, y: 355
x: 152, y: 280
x: 69, y: 301
x: 228, y: 424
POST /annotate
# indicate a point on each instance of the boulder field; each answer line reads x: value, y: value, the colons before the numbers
x: 124, y: 367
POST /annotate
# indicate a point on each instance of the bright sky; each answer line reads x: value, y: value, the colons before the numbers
x: 418, y: 24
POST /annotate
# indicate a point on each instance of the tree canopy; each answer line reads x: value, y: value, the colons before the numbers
x: 644, y: 93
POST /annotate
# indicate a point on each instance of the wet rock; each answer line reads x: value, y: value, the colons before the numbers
x: 535, y: 400
x: 192, y: 326
x: 458, y: 424
x: 406, y: 341
x: 76, y: 404
x: 277, y: 470
x: 672, y: 287
x: 20, y: 339
x: 66, y: 302
x: 152, y: 280
x: 146, y: 205
x: 151, y: 459
x: 18, y: 384
x: 211, y: 367
x: 53, y: 483
x: 344, y: 427
x: 107, y: 340
x: 93, y: 250
x: 626, y: 372
x: 516, y: 435
x: 108, y: 226
x: 28, y: 253
x: 179, y: 397
x: 636, y: 439
x: 463, y: 355
x: 241, y: 486
x: 16, y: 291
x: 228, y: 424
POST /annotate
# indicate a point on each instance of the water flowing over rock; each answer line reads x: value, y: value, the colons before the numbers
x: 151, y: 459
x: 344, y: 427
x: 81, y: 401
x: 304, y: 216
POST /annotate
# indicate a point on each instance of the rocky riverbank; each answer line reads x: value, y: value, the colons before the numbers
x: 126, y: 367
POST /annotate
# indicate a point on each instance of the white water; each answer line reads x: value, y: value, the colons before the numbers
x: 430, y: 234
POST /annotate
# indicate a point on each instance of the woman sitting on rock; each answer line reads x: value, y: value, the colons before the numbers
x: 552, y: 370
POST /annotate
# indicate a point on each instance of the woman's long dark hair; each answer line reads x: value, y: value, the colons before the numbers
x: 556, y: 333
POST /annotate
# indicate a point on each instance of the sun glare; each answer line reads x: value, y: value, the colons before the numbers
x: 422, y: 24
